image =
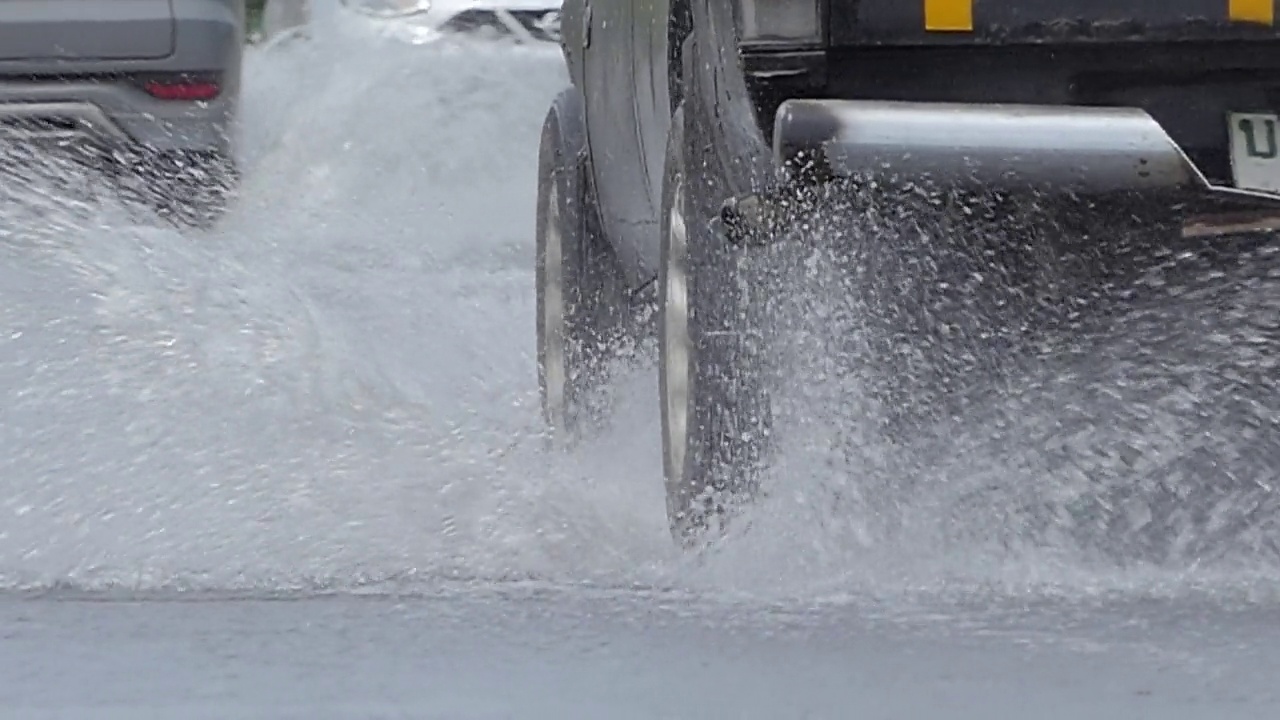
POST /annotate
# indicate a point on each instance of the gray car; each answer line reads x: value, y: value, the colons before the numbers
x: 149, y: 88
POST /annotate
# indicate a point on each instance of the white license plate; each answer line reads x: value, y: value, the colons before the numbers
x: 1255, y: 150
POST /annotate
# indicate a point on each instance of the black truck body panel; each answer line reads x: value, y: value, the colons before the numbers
x: 893, y: 22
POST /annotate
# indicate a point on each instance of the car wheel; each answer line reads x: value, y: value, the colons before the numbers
x: 715, y: 409
x: 582, y: 297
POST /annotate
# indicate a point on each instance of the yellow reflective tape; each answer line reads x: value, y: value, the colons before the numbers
x: 1254, y: 11
x: 955, y: 15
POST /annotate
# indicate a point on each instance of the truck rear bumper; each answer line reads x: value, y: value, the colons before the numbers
x: 1040, y: 149
x: 1189, y: 89
x: 1075, y: 149
x: 1087, y: 150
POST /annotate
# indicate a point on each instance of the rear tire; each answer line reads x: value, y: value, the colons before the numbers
x: 582, y: 298
x: 715, y: 409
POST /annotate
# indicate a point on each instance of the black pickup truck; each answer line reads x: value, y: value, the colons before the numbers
x: 691, y: 124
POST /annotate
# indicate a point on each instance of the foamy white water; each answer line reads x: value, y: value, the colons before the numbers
x: 336, y: 388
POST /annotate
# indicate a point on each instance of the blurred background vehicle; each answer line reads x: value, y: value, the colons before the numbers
x: 517, y: 21
x: 147, y: 90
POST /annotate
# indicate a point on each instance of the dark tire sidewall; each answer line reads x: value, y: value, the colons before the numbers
x: 727, y: 409
x: 594, y: 300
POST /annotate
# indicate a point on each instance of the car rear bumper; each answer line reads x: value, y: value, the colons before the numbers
x: 113, y: 114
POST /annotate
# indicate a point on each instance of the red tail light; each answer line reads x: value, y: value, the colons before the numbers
x: 182, y: 89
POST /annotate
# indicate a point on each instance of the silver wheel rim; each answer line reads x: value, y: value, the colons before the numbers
x: 553, y: 325
x: 675, y: 329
